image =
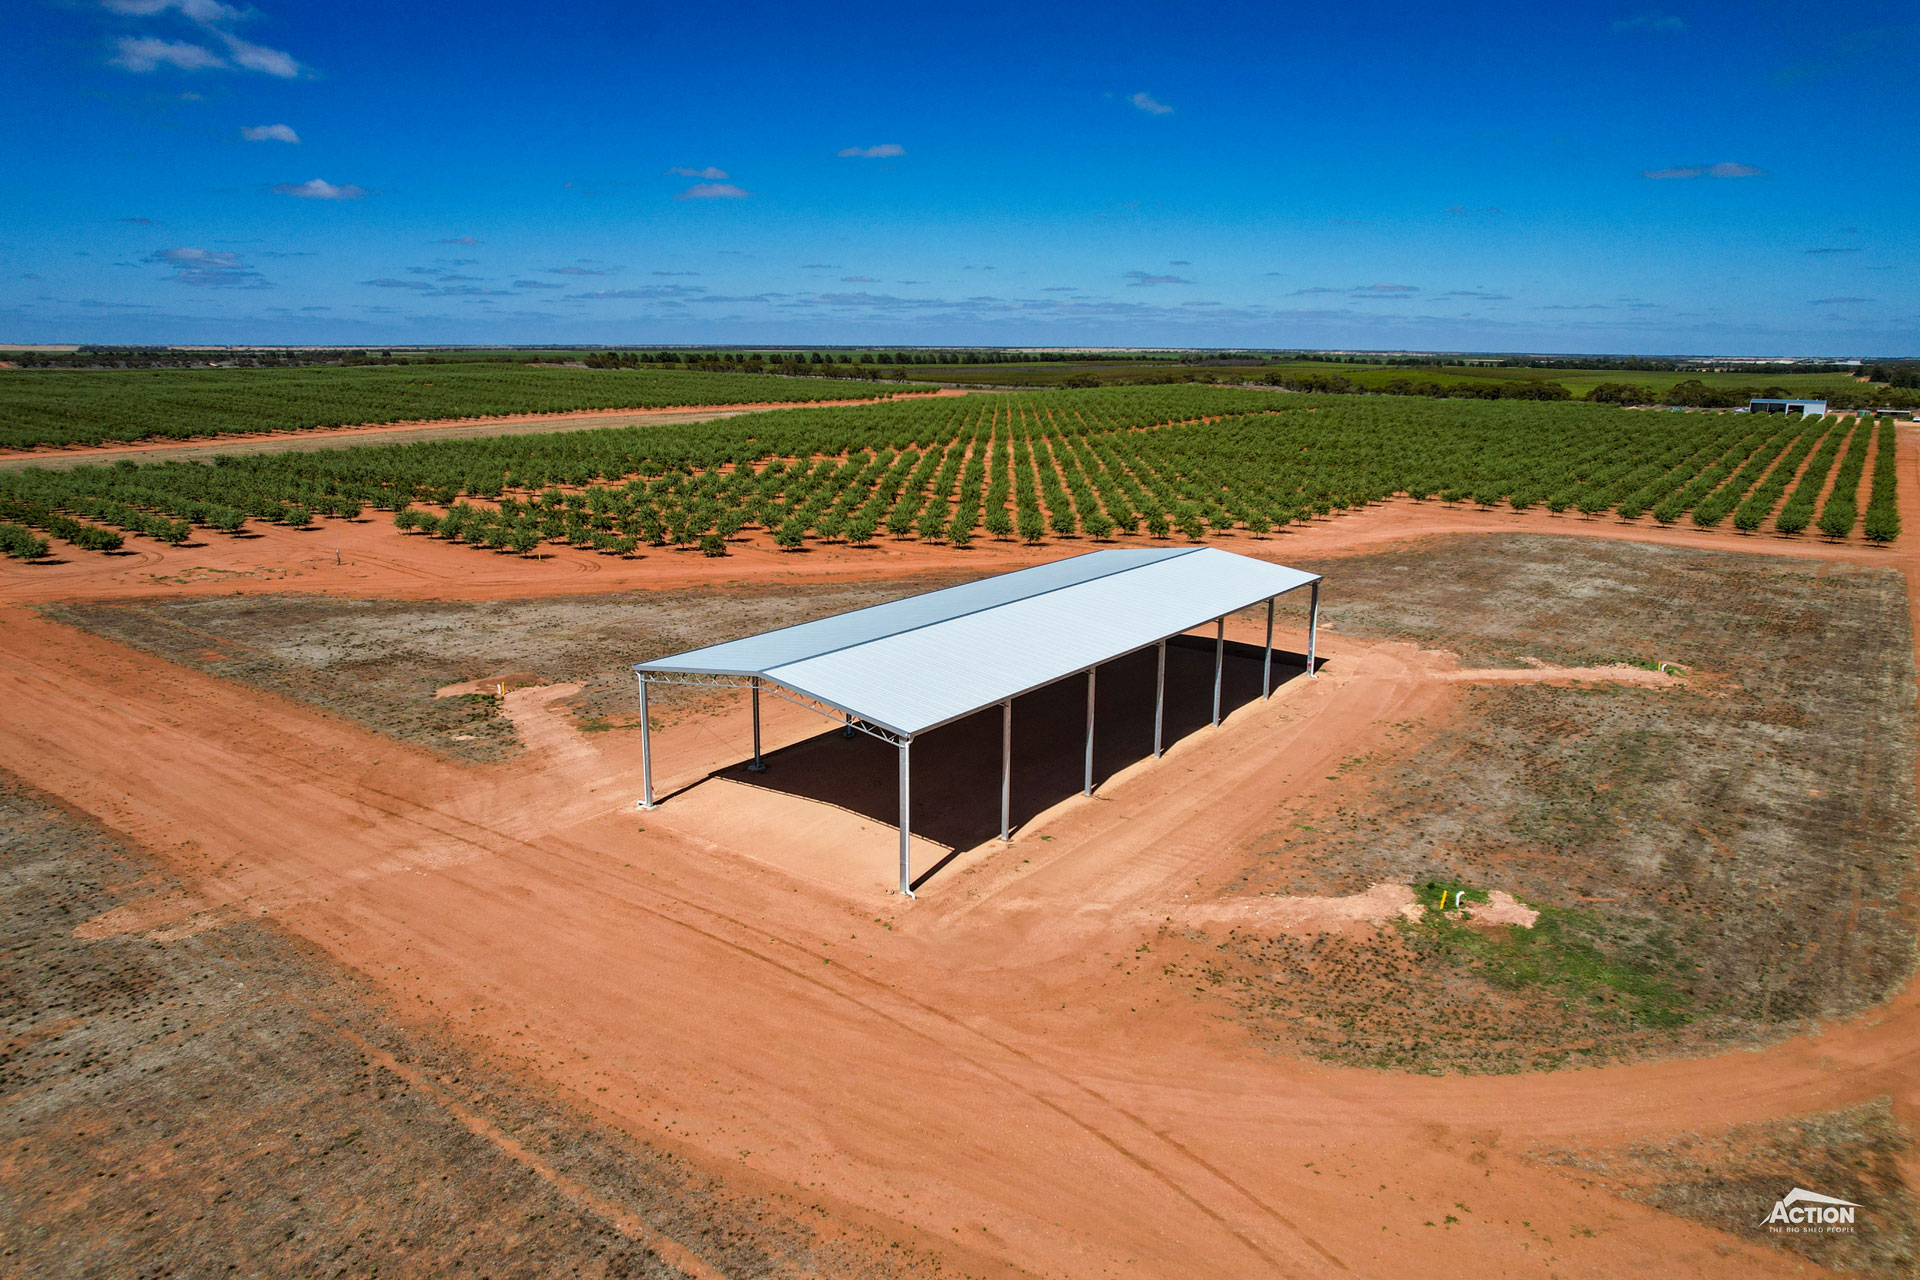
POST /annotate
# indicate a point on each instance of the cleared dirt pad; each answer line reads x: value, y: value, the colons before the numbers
x: 233, y: 1101
x: 1717, y: 859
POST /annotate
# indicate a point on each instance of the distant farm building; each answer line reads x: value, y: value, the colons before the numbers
x: 1815, y: 407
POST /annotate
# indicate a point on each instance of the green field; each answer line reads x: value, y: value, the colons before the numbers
x: 93, y: 406
x: 1129, y: 463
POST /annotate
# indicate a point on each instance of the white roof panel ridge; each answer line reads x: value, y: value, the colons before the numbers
x: 757, y: 654
x: 915, y: 664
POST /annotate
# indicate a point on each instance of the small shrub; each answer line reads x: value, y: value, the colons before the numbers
x: 19, y: 544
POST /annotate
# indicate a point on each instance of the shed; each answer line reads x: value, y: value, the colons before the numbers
x: 904, y: 668
x: 1813, y: 408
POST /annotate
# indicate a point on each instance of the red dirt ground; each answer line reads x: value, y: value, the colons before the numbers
x: 972, y: 1065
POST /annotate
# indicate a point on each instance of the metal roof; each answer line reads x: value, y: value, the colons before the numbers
x: 914, y: 664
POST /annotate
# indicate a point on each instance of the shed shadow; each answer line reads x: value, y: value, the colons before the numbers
x: 956, y: 768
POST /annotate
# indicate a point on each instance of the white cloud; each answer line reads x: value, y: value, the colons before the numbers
x: 458, y: 240
x: 1147, y: 103
x: 319, y: 189
x: 885, y: 151
x: 259, y: 58
x: 1725, y: 169
x: 146, y: 53
x: 206, y: 12
x: 1139, y: 278
x: 209, y: 268
x: 710, y: 173
x: 713, y: 191
x: 269, y: 133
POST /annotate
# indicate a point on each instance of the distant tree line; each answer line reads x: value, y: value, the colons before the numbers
x: 231, y: 358
x: 1478, y: 389
x: 790, y: 364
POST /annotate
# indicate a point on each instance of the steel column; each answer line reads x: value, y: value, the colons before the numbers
x: 1006, y: 771
x: 1089, y: 788
x: 646, y: 749
x: 1266, y: 667
x: 1159, y: 699
x: 1313, y: 631
x: 1219, y: 662
x: 758, y: 765
x: 906, y: 822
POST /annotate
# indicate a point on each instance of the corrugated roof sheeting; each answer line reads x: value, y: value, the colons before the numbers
x: 753, y: 655
x: 914, y: 664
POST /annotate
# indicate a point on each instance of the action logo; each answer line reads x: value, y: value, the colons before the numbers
x: 1802, y: 1211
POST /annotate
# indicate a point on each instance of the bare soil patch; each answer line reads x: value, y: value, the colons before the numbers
x: 1716, y: 860
x: 231, y: 1101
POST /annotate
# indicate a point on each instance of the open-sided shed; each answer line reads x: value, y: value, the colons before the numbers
x: 902, y: 669
x: 1805, y: 408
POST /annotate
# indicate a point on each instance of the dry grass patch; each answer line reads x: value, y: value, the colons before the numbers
x: 1720, y: 861
x: 1730, y: 1181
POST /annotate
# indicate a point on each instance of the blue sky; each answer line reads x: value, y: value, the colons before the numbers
x: 1726, y: 179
